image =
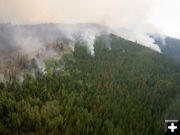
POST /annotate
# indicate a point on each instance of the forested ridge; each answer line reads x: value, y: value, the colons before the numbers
x: 124, y: 89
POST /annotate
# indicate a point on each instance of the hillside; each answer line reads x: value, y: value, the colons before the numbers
x: 124, y: 88
x: 169, y: 46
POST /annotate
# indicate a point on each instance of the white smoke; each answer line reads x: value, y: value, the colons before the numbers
x: 139, y: 37
x: 40, y: 65
x: 39, y: 42
x: 33, y: 39
x: 19, y: 79
x: 83, y: 32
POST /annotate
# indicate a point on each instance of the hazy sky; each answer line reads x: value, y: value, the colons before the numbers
x: 140, y: 15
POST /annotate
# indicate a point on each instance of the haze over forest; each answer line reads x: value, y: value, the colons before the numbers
x: 141, y: 15
x: 81, y: 67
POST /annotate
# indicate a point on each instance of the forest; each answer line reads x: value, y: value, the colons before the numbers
x: 123, y: 89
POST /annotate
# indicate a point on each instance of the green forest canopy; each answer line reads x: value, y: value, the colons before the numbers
x: 125, y: 89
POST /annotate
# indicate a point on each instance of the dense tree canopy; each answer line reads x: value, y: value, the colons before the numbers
x: 124, y: 89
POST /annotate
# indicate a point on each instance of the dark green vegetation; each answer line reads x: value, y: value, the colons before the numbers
x: 125, y: 90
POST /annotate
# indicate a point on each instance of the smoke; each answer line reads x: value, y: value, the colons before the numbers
x: 160, y: 38
x: 43, y: 41
x: 40, y: 39
x: 112, y: 12
x: 86, y: 33
x: 39, y: 63
x: 1, y: 77
x: 19, y: 79
x: 139, y: 37
x: 124, y: 14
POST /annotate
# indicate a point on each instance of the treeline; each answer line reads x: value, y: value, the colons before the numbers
x: 125, y: 89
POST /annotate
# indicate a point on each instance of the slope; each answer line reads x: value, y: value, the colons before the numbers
x: 170, y: 46
x: 124, y: 88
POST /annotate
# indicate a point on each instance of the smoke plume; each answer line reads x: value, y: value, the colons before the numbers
x: 116, y: 14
